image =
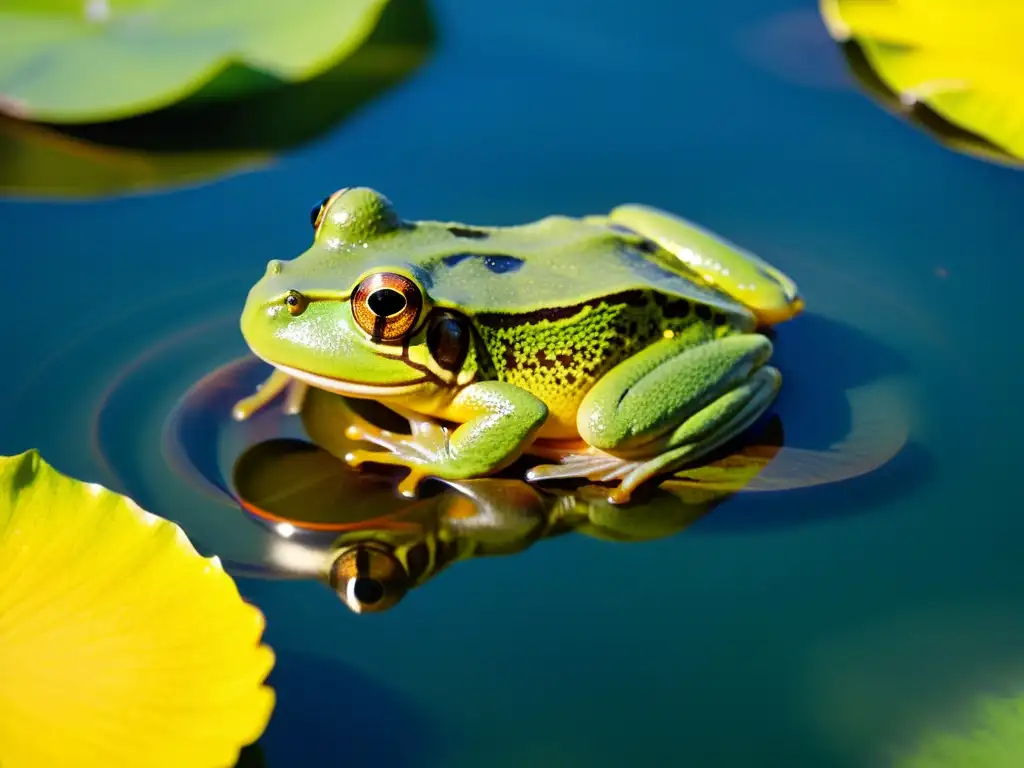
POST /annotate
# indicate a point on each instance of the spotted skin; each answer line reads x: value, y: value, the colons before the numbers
x: 560, y: 360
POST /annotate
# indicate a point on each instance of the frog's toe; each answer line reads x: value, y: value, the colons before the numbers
x: 418, y: 452
x: 604, y: 468
x: 598, y: 467
x: 276, y: 383
x: 427, y: 441
x: 409, y: 485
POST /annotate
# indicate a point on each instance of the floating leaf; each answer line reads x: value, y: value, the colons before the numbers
x: 995, y: 739
x: 119, y: 644
x: 162, y: 149
x: 64, y: 62
x: 960, y: 59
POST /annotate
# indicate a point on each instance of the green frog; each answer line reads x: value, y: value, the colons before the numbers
x: 616, y: 348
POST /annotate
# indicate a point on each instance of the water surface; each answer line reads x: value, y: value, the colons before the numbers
x: 821, y: 627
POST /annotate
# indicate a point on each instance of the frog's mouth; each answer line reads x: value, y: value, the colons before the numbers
x: 352, y: 388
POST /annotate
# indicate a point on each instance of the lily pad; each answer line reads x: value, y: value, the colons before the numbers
x: 64, y: 62
x: 115, y: 633
x: 961, y: 60
x: 993, y: 739
x: 162, y: 149
x: 919, y: 115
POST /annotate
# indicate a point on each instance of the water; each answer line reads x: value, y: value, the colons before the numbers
x: 820, y: 627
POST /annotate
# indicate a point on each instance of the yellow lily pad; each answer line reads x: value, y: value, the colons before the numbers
x: 119, y: 644
x: 960, y: 59
x: 92, y: 60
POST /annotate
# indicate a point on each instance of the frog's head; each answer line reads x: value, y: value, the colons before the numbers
x: 351, y: 314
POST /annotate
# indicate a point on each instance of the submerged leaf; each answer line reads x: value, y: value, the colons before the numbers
x: 40, y: 162
x: 962, y: 60
x: 994, y: 739
x: 119, y: 644
x: 96, y: 60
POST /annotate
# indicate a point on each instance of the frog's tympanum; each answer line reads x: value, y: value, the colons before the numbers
x: 616, y: 347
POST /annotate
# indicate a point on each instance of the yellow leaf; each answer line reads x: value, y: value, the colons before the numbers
x: 963, y: 60
x: 119, y: 644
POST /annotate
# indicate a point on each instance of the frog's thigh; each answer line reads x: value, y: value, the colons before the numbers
x: 767, y: 291
x: 654, y: 400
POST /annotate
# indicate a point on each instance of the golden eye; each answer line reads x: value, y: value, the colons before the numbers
x: 368, y: 578
x: 386, y: 306
x: 296, y: 303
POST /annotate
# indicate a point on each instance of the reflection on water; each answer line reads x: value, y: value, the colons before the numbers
x: 372, y: 546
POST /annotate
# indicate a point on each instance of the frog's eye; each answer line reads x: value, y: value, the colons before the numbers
x: 317, y: 211
x: 296, y: 303
x: 368, y: 578
x: 386, y: 306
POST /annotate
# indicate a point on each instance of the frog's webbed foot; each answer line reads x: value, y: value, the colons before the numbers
x: 600, y: 467
x: 428, y: 441
x: 275, y: 384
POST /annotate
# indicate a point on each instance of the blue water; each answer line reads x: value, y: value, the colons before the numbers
x: 822, y: 627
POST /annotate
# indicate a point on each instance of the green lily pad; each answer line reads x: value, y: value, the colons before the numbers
x: 994, y: 738
x: 162, y: 149
x: 76, y: 62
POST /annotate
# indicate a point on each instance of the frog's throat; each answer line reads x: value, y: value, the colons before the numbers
x: 352, y: 388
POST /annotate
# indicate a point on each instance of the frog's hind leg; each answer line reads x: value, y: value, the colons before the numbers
x: 666, y: 407
x: 770, y: 294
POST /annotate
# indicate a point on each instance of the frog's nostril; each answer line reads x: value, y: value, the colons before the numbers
x: 274, y: 267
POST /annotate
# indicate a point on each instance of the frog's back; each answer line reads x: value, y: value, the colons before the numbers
x: 558, y: 303
x: 548, y: 264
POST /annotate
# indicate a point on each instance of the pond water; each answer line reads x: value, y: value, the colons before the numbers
x: 825, y: 626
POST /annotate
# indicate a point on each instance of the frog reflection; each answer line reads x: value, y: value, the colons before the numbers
x: 372, y: 546
x: 379, y: 558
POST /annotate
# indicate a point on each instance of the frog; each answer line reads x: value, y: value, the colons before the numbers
x: 614, y: 348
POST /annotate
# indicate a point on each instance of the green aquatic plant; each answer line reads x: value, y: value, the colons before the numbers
x: 119, y: 644
x: 959, y: 61
x: 161, y: 150
x: 95, y: 60
x: 994, y: 738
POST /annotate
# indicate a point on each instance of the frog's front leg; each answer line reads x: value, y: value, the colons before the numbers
x: 273, y: 386
x: 667, y: 406
x: 498, y: 421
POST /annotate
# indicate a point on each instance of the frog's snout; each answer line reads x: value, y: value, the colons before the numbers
x: 274, y: 267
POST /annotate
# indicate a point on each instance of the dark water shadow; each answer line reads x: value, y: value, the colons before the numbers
x: 821, y: 360
x: 251, y: 757
x: 331, y: 714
